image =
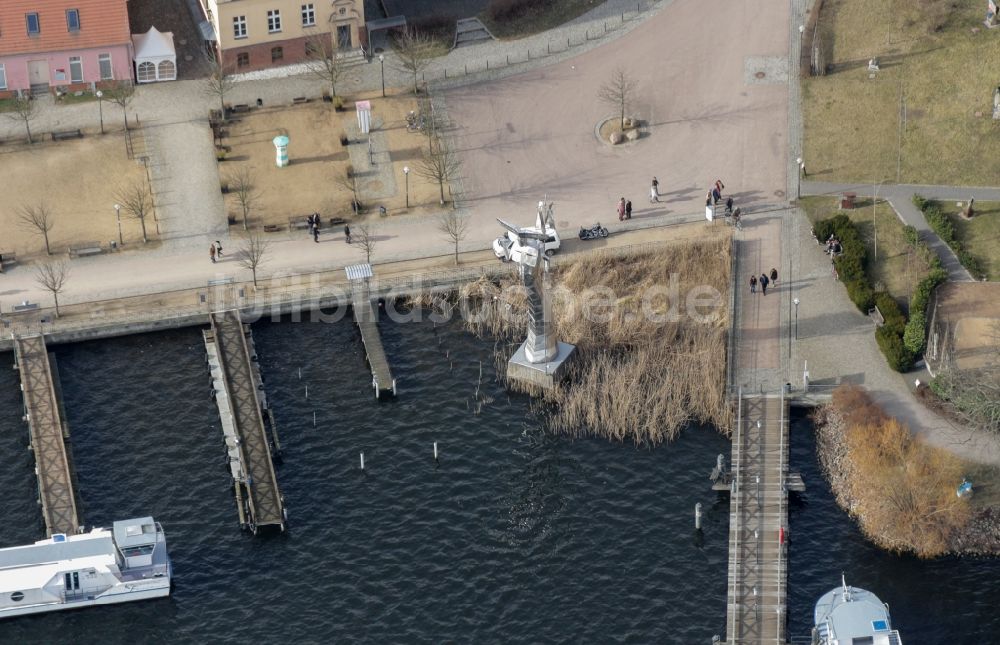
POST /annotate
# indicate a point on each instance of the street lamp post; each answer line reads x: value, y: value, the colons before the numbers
x: 802, y: 28
x: 381, y: 63
x: 118, y: 217
x: 100, y: 107
x: 406, y: 172
x: 796, y: 303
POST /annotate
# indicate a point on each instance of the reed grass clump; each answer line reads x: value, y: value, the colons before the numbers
x: 650, y: 331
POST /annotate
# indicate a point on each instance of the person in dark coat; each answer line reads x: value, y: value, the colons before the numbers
x: 347, y: 233
x: 763, y: 283
x: 628, y: 209
x: 753, y: 284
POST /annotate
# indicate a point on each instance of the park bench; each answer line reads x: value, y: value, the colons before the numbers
x: 334, y: 221
x: 218, y: 282
x: 26, y: 306
x: 241, y: 108
x: 7, y: 257
x: 298, y: 100
x: 876, y: 316
x: 84, y: 249
x: 298, y: 223
x: 272, y: 228
x: 61, y: 135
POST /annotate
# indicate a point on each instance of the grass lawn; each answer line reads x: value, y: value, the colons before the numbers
x: 69, y: 99
x: 854, y: 130
x: 980, y: 235
x: 535, y: 16
x: 898, y: 267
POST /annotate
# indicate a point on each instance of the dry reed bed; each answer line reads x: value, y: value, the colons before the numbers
x: 900, y: 490
x: 640, y: 374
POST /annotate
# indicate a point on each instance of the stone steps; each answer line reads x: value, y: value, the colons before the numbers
x: 469, y: 31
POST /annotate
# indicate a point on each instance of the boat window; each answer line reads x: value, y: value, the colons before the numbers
x: 132, y: 551
x: 17, y: 596
x: 67, y: 581
x: 76, y: 580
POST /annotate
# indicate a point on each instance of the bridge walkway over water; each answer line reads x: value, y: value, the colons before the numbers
x: 48, y: 435
x: 366, y: 317
x: 264, y: 504
x: 758, y: 517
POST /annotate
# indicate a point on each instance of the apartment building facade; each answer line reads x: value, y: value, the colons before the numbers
x: 70, y: 45
x: 256, y: 34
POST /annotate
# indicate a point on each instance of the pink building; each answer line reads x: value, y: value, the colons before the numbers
x: 69, y: 44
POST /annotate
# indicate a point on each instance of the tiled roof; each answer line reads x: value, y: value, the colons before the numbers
x: 102, y: 22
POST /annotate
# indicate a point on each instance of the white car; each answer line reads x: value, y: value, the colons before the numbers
x: 507, y: 249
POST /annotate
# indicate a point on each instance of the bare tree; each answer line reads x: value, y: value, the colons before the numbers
x: 121, y: 95
x: 242, y: 184
x: 454, y: 228
x: 52, y: 277
x: 415, y: 51
x: 618, y: 91
x: 39, y: 218
x: 219, y: 82
x: 24, y: 109
x: 322, y: 61
x: 350, y: 183
x: 137, y: 202
x: 364, y: 238
x: 251, y: 253
x: 439, y: 164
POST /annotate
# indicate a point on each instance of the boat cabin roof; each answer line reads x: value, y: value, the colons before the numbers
x: 856, y: 616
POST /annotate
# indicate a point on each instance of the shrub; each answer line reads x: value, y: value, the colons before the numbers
x: 919, y: 201
x: 911, y: 235
x: 891, y: 344
x: 860, y: 294
x: 894, y: 317
x: 915, y: 336
x: 851, y: 263
x: 350, y: 171
x: 508, y: 10
x: 945, y: 228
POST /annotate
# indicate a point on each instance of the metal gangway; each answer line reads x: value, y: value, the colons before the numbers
x: 367, y: 320
x: 758, y: 522
x: 48, y: 433
x: 236, y: 382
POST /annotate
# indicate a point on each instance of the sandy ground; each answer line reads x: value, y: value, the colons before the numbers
x: 972, y: 311
x: 77, y: 179
x: 317, y: 161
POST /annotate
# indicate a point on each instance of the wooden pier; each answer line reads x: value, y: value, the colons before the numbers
x: 238, y: 391
x: 366, y: 316
x: 48, y: 432
x: 758, y: 522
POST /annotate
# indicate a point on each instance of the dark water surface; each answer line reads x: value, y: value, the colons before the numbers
x: 517, y: 536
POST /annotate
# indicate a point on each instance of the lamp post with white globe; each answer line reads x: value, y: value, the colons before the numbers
x: 100, y: 107
x: 406, y: 172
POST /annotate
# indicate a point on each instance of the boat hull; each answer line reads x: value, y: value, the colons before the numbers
x: 125, y: 592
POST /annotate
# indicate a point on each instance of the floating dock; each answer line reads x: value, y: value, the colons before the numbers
x: 243, y: 410
x: 758, y: 522
x: 366, y: 317
x: 48, y: 433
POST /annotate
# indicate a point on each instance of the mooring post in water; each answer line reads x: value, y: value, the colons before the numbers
x: 314, y: 418
x: 697, y: 516
x: 362, y: 461
x: 307, y: 392
x: 435, y: 451
x: 300, y: 373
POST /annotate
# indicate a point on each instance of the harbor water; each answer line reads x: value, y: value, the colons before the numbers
x: 515, y: 535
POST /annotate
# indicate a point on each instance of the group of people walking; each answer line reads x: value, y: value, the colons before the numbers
x: 215, y: 251
x: 764, y: 281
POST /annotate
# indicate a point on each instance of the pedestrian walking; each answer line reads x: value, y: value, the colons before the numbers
x: 753, y: 284
x: 716, y: 195
x: 719, y: 186
x: 316, y: 234
x: 763, y: 283
x: 774, y: 276
x: 621, y: 209
x: 218, y: 249
x: 211, y: 252
x: 347, y: 233
x: 654, y: 191
x: 628, y: 209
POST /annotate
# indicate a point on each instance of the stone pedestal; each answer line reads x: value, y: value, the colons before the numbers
x: 543, y: 375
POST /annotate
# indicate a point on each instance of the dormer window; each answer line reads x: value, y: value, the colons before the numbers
x: 73, y: 19
x: 34, y: 26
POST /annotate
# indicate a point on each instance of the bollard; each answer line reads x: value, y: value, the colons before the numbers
x: 362, y: 461
x: 508, y: 59
x: 548, y: 47
x: 314, y: 418
x: 697, y: 516
x: 435, y: 451
x: 300, y: 373
x: 307, y: 392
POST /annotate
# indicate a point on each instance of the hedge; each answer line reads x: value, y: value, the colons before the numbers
x: 915, y: 336
x: 945, y: 228
x: 851, y: 263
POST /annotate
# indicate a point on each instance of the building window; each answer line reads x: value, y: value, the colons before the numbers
x: 145, y: 72
x: 308, y: 15
x: 242, y: 60
x: 104, y: 62
x: 239, y: 26
x: 273, y: 21
x: 34, y: 27
x: 75, y: 69
x: 314, y: 50
x: 73, y: 19
x: 3, y: 78
x: 277, y: 53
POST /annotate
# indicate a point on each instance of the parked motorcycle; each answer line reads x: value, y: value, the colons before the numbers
x: 593, y: 232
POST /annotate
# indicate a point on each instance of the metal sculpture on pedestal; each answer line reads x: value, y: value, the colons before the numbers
x: 540, y: 359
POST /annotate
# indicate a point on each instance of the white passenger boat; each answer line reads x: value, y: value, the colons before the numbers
x: 128, y: 562
x: 851, y: 616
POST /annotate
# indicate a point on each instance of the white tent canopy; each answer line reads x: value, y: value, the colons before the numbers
x: 155, y: 57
